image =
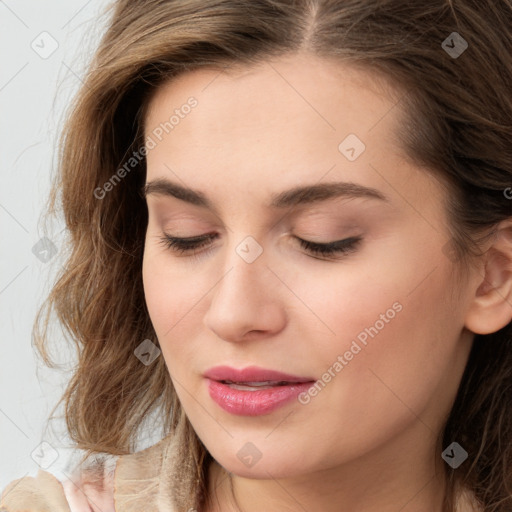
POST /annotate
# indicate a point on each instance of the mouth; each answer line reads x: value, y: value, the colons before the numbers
x: 253, y: 391
x: 253, y: 376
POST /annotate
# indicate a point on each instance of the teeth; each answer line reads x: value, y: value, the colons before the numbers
x: 263, y: 383
x: 245, y: 387
x: 251, y: 385
x: 242, y: 387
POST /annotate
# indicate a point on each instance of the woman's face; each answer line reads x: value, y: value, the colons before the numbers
x: 377, y: 326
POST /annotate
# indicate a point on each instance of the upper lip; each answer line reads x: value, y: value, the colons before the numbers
x: 251, y: 374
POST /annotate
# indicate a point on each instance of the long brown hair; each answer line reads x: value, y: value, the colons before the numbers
x: 457, y: 123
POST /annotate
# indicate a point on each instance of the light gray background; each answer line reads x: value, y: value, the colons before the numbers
x: 35, y: 90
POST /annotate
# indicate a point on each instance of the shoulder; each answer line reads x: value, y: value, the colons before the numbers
x: 33, y: 494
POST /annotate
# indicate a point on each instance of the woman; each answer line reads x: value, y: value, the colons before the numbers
x: 291, y: 236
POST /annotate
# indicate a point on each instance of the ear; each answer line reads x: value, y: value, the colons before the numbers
x: 491, y: 307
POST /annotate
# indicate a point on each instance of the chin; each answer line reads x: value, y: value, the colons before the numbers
x: 262, y: 469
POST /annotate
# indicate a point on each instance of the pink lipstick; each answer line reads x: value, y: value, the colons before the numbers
x: 253, y: 391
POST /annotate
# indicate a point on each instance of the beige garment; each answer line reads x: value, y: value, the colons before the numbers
x: 136, y: 484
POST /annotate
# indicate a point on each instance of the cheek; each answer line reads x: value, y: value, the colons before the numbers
x: 395, y: 297
x: 400, y: 294
x: 176, y: 302
x: 396, y: 331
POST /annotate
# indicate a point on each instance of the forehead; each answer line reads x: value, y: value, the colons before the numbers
x: 299, y: 91
x: 279, y: 122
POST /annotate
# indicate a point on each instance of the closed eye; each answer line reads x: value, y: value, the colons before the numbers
x: 190, y: 245
x: 337, y: 247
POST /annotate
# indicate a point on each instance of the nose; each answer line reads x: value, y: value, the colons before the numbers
x: 246, y: 303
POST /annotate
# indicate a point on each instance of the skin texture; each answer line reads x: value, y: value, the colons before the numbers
x: 366, y: 442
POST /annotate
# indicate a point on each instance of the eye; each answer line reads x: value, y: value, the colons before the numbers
x: 191, y: 245
x: 186, y: 245
x: 338, y: 247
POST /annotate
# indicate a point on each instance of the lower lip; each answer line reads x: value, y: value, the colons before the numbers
x: 254, y: 403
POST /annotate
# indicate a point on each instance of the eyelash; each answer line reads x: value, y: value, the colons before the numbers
x: 338, y: 247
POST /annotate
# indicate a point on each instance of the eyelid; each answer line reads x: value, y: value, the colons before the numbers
x: 330, y: 250
x: 336, y: 247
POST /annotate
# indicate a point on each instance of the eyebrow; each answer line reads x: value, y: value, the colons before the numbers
x: 300, y: 195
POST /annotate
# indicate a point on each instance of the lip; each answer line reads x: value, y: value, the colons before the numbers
x: 253, y: 403
x: 252, y: 374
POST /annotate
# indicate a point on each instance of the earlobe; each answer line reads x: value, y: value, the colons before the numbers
x: 491, y: 306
